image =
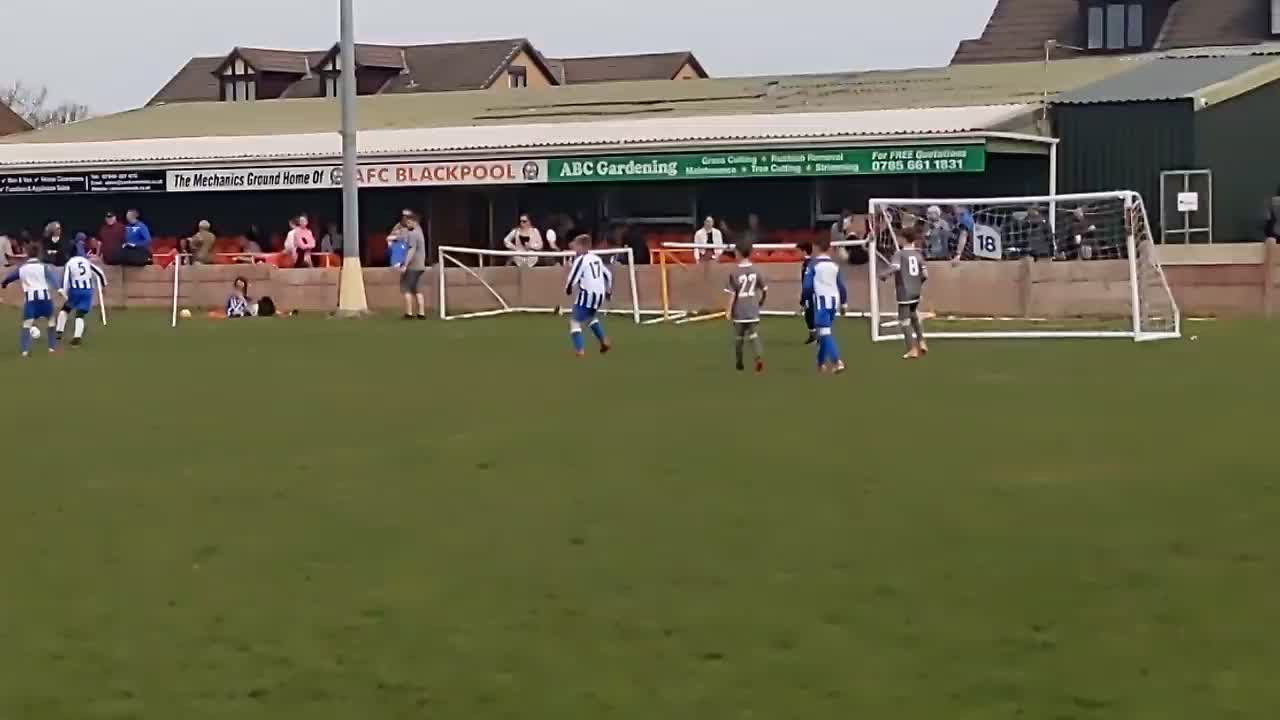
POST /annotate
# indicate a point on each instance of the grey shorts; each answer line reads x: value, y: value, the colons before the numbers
x: 907, y: 309
x: 410, y: 279
x: 745, y: 329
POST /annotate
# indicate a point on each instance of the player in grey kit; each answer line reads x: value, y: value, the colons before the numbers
x: 910, y: 274
x: 747, y: 289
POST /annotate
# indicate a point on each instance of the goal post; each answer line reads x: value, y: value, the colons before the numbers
x: 1081, y: 265
x: 487, y: 283
x: 691, y: 291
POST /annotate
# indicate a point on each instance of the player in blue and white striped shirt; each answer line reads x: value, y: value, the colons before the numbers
x: 38, y: 284
x: 78, y: 279
x: 594, y: 285
x: 824, y: 286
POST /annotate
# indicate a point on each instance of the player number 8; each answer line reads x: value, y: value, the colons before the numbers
x: 913, y: 266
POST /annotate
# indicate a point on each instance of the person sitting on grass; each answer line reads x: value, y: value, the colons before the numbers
x: 239, y: 305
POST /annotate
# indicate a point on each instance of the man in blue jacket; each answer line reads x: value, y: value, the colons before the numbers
x: 136, y: 250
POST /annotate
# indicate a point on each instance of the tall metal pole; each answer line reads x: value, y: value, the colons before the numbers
x: 351, y: 296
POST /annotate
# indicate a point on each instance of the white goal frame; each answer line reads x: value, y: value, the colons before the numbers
x: 446, y: 256
x: 684, y: 317
x: 1132, y: 204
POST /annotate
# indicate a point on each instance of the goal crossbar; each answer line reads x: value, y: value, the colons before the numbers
x: 449, y: 256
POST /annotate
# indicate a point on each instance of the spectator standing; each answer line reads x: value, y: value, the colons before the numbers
x: 398, y: 248
x: 332, y: 240
x: 57, y: 250
x: 1080, y: 240
x: 415, y: 266
x: 136, y: 250
x: 634, y: 239
x: 843, y: 225
x: 524, y: 237
x: 708, y: 236
x: 8, y: 255
x: 1038, y: 235
x: 938, y: 234
x: 111, y: 238
x: 755, y: 233
x: 964, y: 233
x: 1271, y: 221
x: 302, y: 240
x: 200, y: 245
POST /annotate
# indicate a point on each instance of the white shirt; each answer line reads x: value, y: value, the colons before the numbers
x: 37, y: 279
x: 80, y: 274
x: 829, y: 292
x: 714, y: 239
x: 592, y: 279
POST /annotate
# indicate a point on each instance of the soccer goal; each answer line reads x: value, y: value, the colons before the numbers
x: 692, y: 279
x: 1066, y: 266
x: 477, y: 282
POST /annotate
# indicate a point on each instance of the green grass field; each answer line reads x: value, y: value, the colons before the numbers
x: 310, y: 519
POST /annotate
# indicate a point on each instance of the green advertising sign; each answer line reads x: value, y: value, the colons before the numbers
x: 908, y: 160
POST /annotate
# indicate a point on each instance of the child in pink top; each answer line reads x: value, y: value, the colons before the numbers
x: 301, y: 242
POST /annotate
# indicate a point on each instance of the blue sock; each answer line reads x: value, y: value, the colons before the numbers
x: 24, y: 339
x: 53, y: 338
x: 598, y: 330
x: 822, y: 350
x: 832, y: 353
x: 576, y: 336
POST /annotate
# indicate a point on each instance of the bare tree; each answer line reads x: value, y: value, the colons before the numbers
x: 33, y: 104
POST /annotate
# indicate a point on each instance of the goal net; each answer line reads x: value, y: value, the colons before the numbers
x: 476, y: 282
x: 692, y: 279
x: 1064, y: 266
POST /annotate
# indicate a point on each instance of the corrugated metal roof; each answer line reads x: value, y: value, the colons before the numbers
x: 1166, y: 79
x: 1007, y: 83
x: 537, y: 139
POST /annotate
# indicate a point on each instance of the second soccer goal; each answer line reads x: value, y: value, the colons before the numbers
x: 1065, y: 266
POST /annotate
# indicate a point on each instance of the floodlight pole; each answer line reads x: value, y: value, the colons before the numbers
x: 351, y: 297
x: 1049, y: 47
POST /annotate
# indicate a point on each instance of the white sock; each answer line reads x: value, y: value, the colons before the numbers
x: 62, y: 321
x: 79, y: 327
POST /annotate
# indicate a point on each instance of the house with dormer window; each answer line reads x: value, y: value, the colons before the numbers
x: 1019, y: 29
x: 248, y: 74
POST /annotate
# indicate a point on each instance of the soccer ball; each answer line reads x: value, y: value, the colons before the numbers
x: 185, y: 314
x: 35, y: 333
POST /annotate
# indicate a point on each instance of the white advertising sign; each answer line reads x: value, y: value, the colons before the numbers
x: 326, y: 177
x: 1188, y: 202
x: 986, y: 242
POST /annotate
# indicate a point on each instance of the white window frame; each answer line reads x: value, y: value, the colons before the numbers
x: 517, y: 77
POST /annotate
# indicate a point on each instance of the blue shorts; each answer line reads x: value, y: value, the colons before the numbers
x: 583, y: 314
x: 37, y: 309
x: 824, y: 317
x: 80, y: 300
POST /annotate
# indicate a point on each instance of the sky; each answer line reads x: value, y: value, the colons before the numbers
x: 115, y: 54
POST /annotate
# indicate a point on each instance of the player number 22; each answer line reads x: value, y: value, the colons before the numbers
x: 747, y: 286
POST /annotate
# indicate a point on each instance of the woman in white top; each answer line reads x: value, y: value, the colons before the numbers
x: 521, y: 238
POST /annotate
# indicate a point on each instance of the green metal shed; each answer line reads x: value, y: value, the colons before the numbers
x: 1197, y: 113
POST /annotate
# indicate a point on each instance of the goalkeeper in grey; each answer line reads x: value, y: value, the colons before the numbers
x: 910, y: 273
x: 747, y: 289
